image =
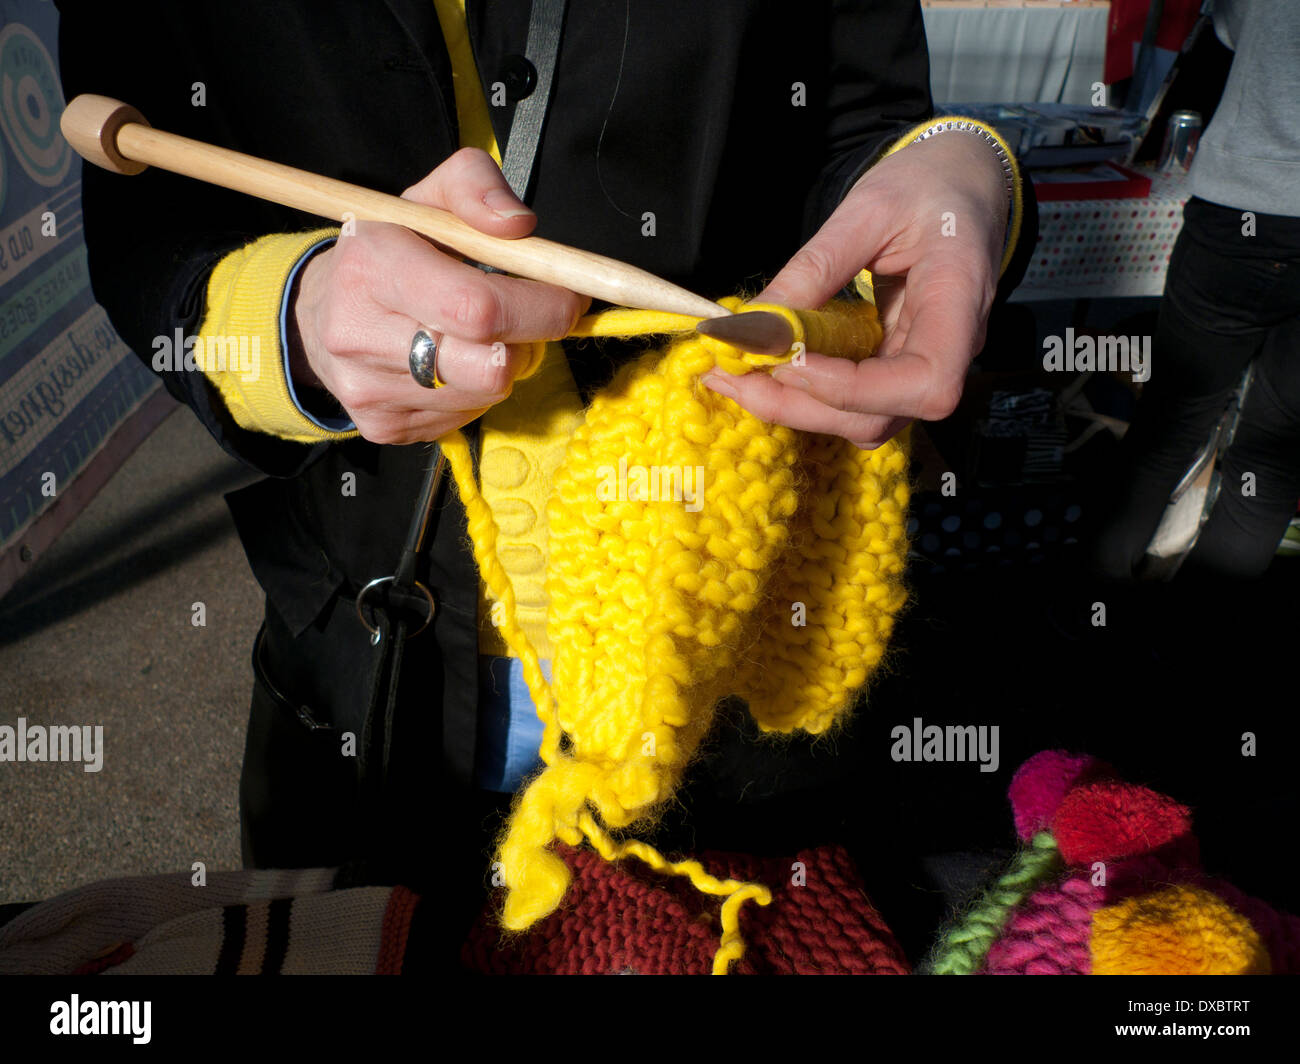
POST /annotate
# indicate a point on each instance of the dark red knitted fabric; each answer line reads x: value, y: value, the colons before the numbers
x: 625, y: 919
x: 395, y: 931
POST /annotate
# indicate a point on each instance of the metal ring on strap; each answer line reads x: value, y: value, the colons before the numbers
x: 375, y: 634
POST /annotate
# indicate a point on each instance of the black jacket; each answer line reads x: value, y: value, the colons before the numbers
x: 680, y: 107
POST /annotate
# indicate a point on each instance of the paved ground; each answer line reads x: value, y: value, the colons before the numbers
x: 100, y: 632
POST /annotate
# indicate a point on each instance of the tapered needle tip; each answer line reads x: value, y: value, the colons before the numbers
x: 758, y: 331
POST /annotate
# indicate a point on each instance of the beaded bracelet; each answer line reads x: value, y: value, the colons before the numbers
x: 968, y: 126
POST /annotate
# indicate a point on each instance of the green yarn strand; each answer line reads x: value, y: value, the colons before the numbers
x: 962, y: 950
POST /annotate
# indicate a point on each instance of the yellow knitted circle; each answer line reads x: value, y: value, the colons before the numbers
x: 1180, y: 930
x: 515, y: 517
x: 506, y: 467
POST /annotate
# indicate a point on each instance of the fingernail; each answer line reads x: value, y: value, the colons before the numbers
x: 504, y: 204
x: 719, y: 384
x: 791, y: 378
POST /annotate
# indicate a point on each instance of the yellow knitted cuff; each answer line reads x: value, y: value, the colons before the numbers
x: 238, y: 346
x: 863, y: 281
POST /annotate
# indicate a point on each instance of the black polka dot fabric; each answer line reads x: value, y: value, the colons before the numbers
x: 992, y: 528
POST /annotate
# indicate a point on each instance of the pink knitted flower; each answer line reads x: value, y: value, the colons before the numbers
x: 1042, y: 782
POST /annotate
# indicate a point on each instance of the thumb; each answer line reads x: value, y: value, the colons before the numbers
x: 471, y: 186
x: 850, y: 238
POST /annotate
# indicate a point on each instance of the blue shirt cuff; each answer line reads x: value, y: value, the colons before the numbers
x: 332, y: 424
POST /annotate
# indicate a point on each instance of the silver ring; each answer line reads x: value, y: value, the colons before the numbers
x: 424, y: 360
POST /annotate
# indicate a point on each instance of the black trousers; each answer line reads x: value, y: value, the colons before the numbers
x: 1230, y: 299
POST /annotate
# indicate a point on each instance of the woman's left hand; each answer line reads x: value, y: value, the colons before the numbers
x: 929, y: 223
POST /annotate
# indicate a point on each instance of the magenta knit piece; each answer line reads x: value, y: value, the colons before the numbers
x: 1041, y: 783
x: 1048, y: 932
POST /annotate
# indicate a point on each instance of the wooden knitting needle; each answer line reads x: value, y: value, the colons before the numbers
x: 116, y: 136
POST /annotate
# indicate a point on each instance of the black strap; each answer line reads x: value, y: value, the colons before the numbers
x: 392, y: 602
x: 404, y: 578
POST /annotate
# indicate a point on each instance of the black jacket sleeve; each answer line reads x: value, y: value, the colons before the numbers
x: 153, y: 239
x: 878, y: 87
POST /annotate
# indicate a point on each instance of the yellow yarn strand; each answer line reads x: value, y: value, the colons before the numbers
x: 659, y: 607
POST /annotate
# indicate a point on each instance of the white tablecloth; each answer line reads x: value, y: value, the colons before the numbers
x: 1023, y: 54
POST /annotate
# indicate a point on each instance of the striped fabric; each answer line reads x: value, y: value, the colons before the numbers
x: 239, y: 923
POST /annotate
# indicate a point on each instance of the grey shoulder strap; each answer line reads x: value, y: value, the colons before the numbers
x: 545, y: 26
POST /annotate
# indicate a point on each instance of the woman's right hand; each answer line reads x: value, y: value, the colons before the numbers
x: 359, y: 304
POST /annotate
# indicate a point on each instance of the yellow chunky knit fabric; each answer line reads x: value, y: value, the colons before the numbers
x: 695, y: 552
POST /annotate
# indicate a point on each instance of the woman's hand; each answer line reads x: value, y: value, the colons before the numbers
x: 359, y: 304
x: 929, y: 222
